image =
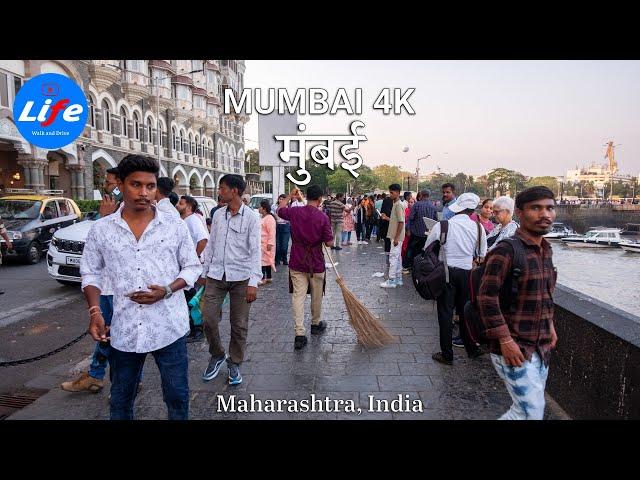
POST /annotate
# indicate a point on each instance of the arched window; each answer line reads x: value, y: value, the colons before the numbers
x: 182, y: 142
x: 190, y: 148
x: 197, y: 149
x: 92, y: 112
x: 174, y: 136
x: 149, y: 130
x: 160, y: 132
x: 136, y: 125
x: 106, y: 116
x: 124, y: 127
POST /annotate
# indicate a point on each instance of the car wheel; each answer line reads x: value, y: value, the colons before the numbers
x: 33, y: 253
x: 68, y: 283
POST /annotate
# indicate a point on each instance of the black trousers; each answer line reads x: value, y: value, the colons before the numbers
x: 383, y: 228
x: 266, y: 271
x: 415, y: 245
x: 387, y: 245
x: 368, y: 231
x: 456, y: 294
x: 360, y: 231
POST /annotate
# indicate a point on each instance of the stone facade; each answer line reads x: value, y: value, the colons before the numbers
x: 168, y: 109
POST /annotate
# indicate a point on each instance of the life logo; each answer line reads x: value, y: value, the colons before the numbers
x: 50, y: 110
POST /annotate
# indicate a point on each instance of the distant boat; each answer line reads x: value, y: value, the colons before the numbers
x: 630, y: 246
x: 631, y: 229
x: 559, y: 230
x: 595, y: 238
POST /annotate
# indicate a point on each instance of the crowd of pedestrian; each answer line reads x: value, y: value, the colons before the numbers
x: 152, y: 252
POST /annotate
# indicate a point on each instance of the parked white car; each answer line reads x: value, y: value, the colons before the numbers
x: 65, y: 252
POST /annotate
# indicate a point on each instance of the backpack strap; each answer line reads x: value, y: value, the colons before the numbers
x: 444, y: 230
x: 518, y: 265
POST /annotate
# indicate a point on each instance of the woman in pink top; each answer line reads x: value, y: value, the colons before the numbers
x: 348, y: 225
x: 486, y: 212
x: 268, y: 241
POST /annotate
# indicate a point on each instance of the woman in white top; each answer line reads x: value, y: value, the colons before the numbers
x: 503, y: 213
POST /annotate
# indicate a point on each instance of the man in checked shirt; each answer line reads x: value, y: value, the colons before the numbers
x: 522, y: 337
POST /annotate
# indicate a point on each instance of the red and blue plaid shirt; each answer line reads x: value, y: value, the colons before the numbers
x: 531, y: 322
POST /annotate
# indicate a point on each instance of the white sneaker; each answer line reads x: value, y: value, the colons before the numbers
x: 364, y: 242
x: 389, y: 284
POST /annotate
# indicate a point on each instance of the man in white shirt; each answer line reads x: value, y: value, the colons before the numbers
x: 232, y: 264
x: 163, y: 193
x: 187, y: 207
x: 147, y: 257
x: 462, y: 245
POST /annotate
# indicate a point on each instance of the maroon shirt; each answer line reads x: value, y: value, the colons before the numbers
x: 310, y: 227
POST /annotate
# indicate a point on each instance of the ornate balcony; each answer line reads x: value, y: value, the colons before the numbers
x: 104, y: 73
x: 135, y: 86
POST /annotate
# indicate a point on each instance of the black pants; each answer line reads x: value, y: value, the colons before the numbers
x: 415, y: 245
x: 383, y: 228
x: 387, y: 244
x: 368, y: 231
x: 360, y: 231
x: 266, y: 271
x: 455, y: 295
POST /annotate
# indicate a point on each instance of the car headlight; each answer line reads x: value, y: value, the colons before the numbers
x: 15, y: 235
x: 55, y: 242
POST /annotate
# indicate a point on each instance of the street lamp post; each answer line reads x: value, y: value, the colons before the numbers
x: 418, y: 172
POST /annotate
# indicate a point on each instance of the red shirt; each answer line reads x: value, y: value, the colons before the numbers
x: 310, y: 227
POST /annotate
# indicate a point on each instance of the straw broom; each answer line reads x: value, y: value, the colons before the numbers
x: 368, y: 328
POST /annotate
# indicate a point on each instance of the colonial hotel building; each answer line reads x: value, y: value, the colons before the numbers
x: 135, y: 106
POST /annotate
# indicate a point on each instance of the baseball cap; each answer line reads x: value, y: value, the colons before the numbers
x: 465, y: 201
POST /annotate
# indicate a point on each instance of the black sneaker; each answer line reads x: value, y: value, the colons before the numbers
x: 439, y: 358
x: 195, y: 336
x: 300, y: 342
x: 321, y: 327
x: 212, y: 370
x: 457, y: 342
x: 476, y: 353
x: 338, y: 248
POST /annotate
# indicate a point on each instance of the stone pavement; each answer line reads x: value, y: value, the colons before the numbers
x: 332, y: 365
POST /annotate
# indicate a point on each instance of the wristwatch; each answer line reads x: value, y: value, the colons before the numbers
x: 169, y: 292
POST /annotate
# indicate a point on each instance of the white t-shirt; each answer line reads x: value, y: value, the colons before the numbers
x: 166, y: 206
x: 462, y: 241
x: 197, y: 230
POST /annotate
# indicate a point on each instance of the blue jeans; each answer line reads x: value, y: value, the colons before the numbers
x: 525, y: 386
x: 346, y: 237
x: 101, y: 352
x: 126, y: 368
x: 283, y: 233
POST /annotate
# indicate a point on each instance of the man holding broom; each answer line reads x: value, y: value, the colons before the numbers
x: 310, y: 228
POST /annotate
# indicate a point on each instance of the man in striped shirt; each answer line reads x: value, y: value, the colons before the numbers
x: 521, y: 330
x: 336, y: 209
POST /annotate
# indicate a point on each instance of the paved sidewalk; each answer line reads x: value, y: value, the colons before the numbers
x: 332, y: 365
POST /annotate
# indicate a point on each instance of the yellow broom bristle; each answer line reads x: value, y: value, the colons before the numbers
x: 368, y: 328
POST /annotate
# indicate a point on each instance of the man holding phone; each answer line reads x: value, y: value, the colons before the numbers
x: 148, y: 257
x: 93, y: 379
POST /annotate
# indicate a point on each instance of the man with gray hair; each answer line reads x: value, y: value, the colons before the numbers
x: 415, y: 224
